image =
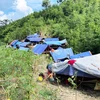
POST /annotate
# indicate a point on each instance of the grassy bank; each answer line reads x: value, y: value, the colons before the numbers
x: 18, y: 73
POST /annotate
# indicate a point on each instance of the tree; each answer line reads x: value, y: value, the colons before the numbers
x: 58, y: 1
x: 4, y: 22
x: 46, y: 3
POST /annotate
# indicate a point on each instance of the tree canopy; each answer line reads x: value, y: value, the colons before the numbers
x: 46, y: 3
x: 76, y: 20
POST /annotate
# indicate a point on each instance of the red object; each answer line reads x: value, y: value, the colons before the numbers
x: 48, y: 72
x: 71, y: 62
x: 66, y: 81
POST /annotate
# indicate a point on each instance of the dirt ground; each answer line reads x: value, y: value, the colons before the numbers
x: 67, y: 93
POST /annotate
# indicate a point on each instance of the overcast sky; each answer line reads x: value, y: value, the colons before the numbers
x: 15, y: 9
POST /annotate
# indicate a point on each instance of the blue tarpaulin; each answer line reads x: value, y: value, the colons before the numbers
x: 24, y: 44
x: 23, y: 48
x: 13, y: 42
x: 51, y: 39
x: 39, y: 48
x: 80, y: 55
x: 72, y: 71
x: 33, y: 35
x: 56, y: 42
x: 35, y: 39
x: 61, y: 54
x: 16, y: 44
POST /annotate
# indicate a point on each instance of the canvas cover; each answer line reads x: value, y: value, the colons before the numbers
x: 16, y: 44
x: 80, y: 55
x: 24, y: 49
x: 56, y: 67
x: 34, y: 39
x: 51, y: 39
x: 24, y: 44
x: 35, y: 35
x: 71, y: 71
x: 39, y: 48
x: 61, y: 53
x: 55, y: 42
x: 89, y: 65
x: 63, y: 68
x: 13, y: 42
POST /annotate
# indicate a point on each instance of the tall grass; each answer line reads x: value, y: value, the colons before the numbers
x: 17, y: 76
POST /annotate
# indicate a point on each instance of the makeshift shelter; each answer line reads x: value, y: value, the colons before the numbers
x: 86, y: 67
x: 39, y: 48
x: 63, y: 68
x: 34, y: 38
x: 61, y: 54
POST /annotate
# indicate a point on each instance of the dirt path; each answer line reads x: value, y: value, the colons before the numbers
x: 67, y: 93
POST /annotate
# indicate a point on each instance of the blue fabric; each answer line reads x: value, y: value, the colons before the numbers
x: 35, y: 35
x: 35, y: 39
x: 71, y: 71
x: 60, y: 54
x: 39, y: 48
x: 24, y: 44
x: 51, y: 39
x: 55, y: 42
x: 17, y: 44
x: 23, y: 48
x: 60, y: 48
x: 80, y: 55
x: 14, y: 42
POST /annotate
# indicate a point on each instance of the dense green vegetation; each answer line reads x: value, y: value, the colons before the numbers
x: 76, y: 20
x: 18, y: 77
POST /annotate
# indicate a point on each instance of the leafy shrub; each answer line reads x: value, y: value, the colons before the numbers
x: 16, y: 72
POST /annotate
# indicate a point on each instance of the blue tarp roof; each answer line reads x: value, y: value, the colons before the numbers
x: 35, y: 39
x: 16, y: 43
x: 13, y: 42
x: 39, y: 48
x: 60, y: 54
x: 23, y: 44
x: 35, y: 35
x: 51, y: 39
x: 23, y: 48
x: 80, y: 55
x: 56, y: 42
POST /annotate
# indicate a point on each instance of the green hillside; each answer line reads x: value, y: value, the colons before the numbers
x: 76, y: 20
x: 19, y: 71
